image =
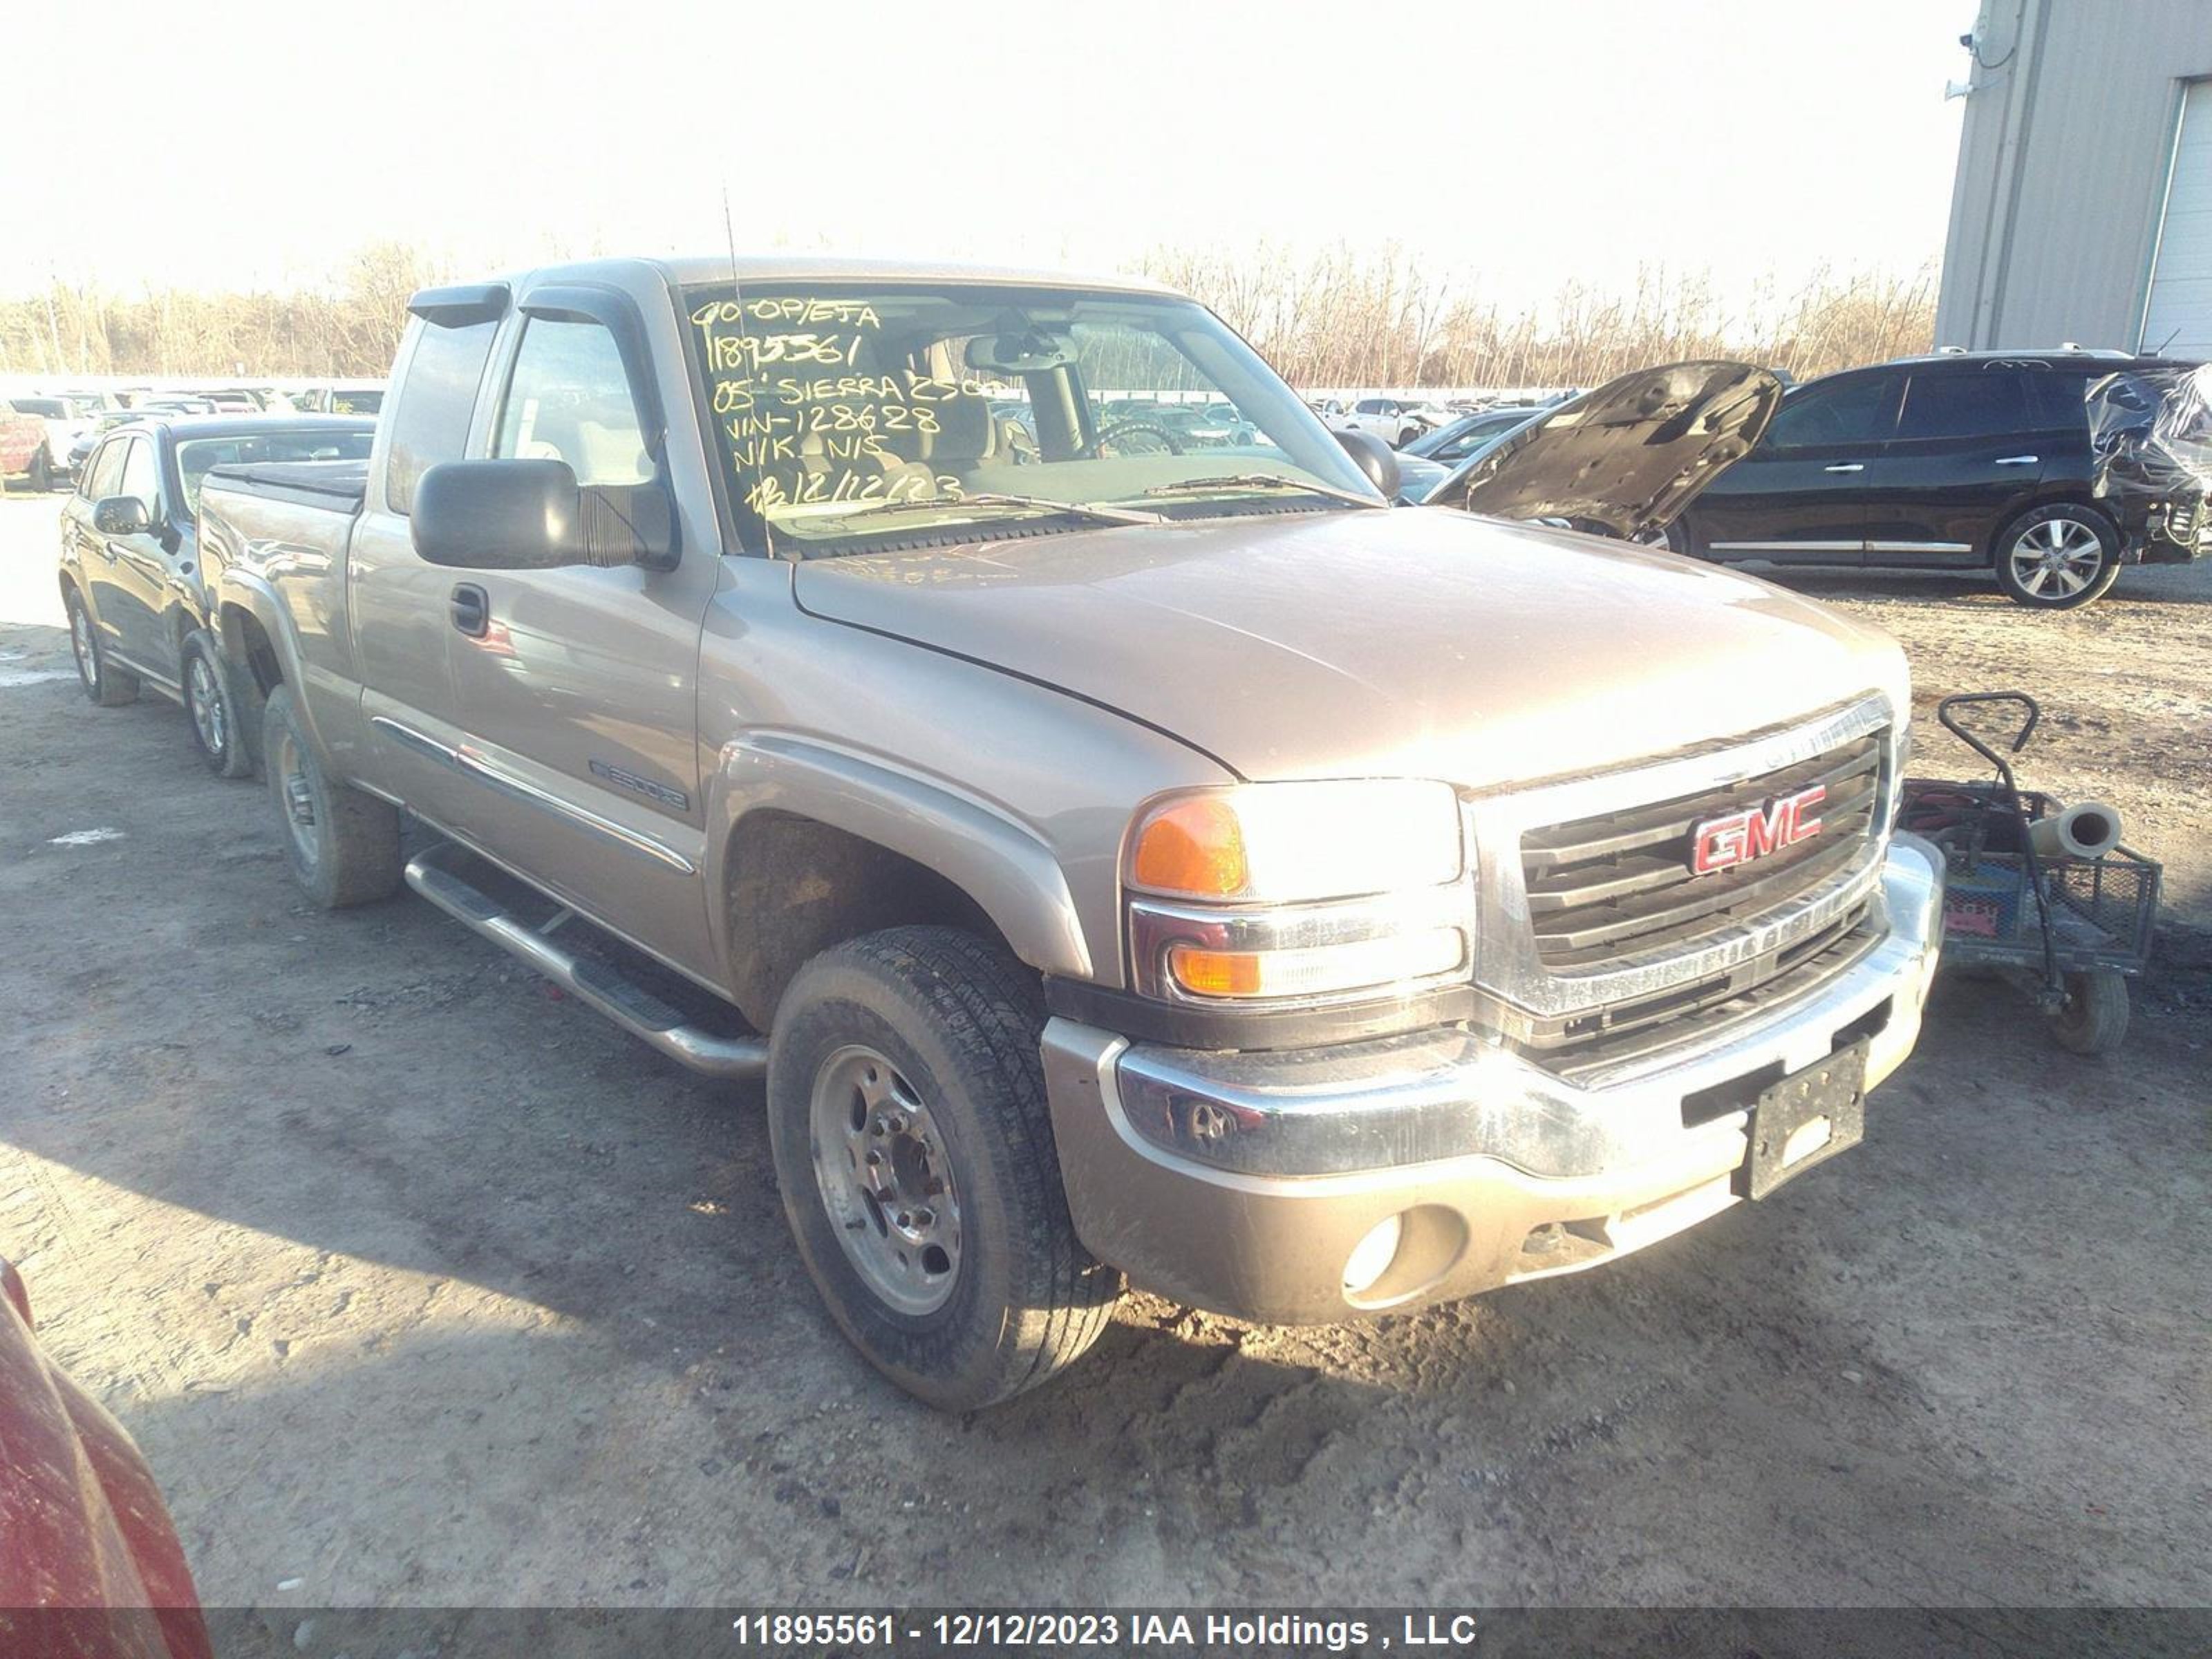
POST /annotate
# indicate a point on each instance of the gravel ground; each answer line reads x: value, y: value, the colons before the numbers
x: 419, y: 1287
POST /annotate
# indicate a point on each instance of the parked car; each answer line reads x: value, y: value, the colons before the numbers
x: 1396, y: 421
x: 92, y: 1568
x: 340, y: 397
x: 1960, y: 461
x: 1429, y: 459
x: 1120, y: 865
x: 129, y: 566
x: 1456, y: 440
x: 62, y: 420
x: 23, y: 454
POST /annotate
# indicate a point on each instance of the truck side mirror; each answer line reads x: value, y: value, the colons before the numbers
x: 1374, y: 458
x: 533, y: 515
x: 121, y: 515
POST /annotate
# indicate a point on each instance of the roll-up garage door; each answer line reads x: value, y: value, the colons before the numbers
x: 2178, y: 316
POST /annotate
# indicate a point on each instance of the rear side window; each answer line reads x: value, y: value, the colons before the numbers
x: 2055, y: 402
x: 1980, y: 403
x: 430, y: 421
x: 568, y: 400
x: 1862, y: 411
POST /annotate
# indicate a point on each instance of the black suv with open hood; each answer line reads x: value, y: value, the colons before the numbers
x: 2053, y: 469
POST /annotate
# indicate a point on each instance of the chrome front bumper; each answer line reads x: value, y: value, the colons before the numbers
x: 1243, y: 1182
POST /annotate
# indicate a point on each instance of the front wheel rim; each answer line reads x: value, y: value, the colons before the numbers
x: 298, y: 794
x: 208, y: 717
x: 2056, y: 559
x: 881, y: 1166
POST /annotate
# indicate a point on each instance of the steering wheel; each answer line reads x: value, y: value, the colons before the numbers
x: 1119, y: 428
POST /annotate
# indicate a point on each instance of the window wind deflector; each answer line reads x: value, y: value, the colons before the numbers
x: 459, y: 306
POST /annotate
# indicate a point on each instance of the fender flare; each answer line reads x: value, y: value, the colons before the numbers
x: 998, y: 861
x: 244, y: 590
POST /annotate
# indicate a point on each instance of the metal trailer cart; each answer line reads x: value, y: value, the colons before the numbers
x: 2073, y: 930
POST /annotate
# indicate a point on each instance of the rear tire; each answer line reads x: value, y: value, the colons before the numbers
x: 344, y: 846
x: 2095, y: 1017
x: 211, y: 710
x: 42, y: 472
x: 103, y: 682
x: 913, y: 1148
x: 2058, y: 558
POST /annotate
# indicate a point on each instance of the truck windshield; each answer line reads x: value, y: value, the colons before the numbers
x: 845, y: 414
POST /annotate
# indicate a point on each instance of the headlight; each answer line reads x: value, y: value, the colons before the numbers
x: 1293, y: 894
x: 1295, y: 842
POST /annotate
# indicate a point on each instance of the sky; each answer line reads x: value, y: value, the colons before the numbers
x: 1510, y: 147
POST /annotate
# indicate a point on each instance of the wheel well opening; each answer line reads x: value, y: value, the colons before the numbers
x: 794, y: 886
x: 244, y: 639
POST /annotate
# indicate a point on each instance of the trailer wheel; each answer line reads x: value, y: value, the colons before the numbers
x: 2095, y: 1015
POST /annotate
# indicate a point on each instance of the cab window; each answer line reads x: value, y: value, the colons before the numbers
x: 435, y: 401
x: 569, y: 400
x: 1860, y: 411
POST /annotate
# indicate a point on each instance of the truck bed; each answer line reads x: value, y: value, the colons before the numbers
x: 334, y: 486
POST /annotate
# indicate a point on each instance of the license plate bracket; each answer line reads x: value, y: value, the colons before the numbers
x: 1786, y: 1127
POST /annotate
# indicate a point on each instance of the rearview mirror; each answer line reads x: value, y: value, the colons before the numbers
x: 1374, y: 458
x: 121, y: 515
x: 533, y: 515
x: 1033, y: 353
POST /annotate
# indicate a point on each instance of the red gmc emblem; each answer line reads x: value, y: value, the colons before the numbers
x: 1721, y: 843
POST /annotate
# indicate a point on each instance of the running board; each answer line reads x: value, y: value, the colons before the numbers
x: 596, y: 984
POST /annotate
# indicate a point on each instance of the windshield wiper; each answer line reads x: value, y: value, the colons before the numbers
x: 1077, y: 509
x: 1262, y: 481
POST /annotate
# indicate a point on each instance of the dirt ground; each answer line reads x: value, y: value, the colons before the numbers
x: 419, y: 1286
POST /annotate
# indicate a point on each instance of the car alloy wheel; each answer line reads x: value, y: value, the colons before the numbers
x: 88, y: 664
x: 880, y: 1163
x: 210, y: 717
x: 2056, y: 559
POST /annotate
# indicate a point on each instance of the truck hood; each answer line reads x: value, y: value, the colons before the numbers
x: 1629, y: 456
x: 1414, y: 642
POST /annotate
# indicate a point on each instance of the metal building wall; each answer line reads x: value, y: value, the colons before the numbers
x: 2062, y: 164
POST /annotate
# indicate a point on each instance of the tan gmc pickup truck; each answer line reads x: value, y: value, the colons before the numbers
x: 1131, y: 851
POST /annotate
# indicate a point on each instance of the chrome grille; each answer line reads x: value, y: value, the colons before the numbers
x: 1617, y: 886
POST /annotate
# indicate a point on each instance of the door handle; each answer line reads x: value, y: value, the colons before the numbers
x: 2019, y: 461
x: 110, y: 551
x: 1848, y: 466
x: 472, y: 610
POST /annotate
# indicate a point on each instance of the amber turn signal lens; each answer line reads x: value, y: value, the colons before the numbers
x: 1215, y: 973
x: 1193, y: 846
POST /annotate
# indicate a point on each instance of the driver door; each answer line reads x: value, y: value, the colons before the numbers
x: 578, y: 686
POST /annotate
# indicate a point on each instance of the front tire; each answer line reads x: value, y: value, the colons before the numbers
x: 211, y: 710
x: 2058, y: 558
x: 103, y: 682
x: 913, y: 1148
x: 42, y: 472
x: 344, y: 846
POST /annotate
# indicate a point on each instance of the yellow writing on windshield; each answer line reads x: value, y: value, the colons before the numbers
x: 818, y: 408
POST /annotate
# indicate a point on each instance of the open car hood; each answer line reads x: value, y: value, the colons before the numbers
x: 1626, y: 459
